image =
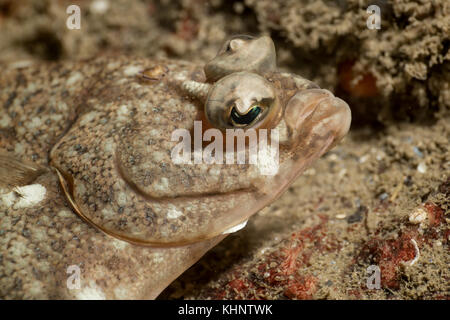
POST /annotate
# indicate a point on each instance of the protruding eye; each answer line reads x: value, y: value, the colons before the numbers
x: 241, y: 53
x: 243, y: 100
x: 238, y: 120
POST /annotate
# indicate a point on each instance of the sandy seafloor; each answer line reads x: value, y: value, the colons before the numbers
x: 380, y: 198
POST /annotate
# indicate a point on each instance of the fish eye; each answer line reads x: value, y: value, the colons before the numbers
x: 240, y: 120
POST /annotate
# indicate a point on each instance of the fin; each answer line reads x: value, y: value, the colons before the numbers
x: 15, y: 172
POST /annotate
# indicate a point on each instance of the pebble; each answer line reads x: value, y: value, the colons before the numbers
x: 417, y: 216
x: 422, y: 167
x: 418, y: 152
x: 383, y: 196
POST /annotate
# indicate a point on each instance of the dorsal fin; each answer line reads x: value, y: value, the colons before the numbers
x: 15, y: 172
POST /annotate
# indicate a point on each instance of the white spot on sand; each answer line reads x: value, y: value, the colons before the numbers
x: 422, y: 167
x: 236, y: 228
x: 364, y: 158
x: 173, y: 213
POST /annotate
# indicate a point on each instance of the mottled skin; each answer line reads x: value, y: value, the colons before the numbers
x: 107, y: 130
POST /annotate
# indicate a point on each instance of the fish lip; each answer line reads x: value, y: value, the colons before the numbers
x: 180, y: 198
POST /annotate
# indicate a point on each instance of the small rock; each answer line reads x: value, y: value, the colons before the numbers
x: 422, y: 167
x: 418, y: 152
x: 383, y: 196
x: 417, y: 216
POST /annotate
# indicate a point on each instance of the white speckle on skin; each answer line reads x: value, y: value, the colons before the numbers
x: 164, y: 183
x: 8, y: 199
x: 155, y: 133
x: 122, y: 113
x: 88, y: 117
x: 180, y: 76
x: 158, y: 156
x: 158, y: 257
x: 29, y: 195
x: 108, y: 146
x: 119, y: 244
x: 268, y: 162
x: 214, y: 171
x: 99, y: 6
x: 21, y: 64
x: 18, y: 148
x: 34, y: 123
x: 65, y: 214
x: 122, y: 199
x: 74, y: 78
x: 173, y: 213
x: 132, y: 70
x: 56, y: 117
x: 80, y: 188
x: 62, y: 106
x: 121, y: 293
x: 236, y: 228
x: 91, y: 292
x: 5, y: 121
x: 108, y: 213
x: 364, y: 158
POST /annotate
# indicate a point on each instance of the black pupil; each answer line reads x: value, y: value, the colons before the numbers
x: 245, y: 118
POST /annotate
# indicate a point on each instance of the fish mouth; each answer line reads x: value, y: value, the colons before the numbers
x: 180, y: 198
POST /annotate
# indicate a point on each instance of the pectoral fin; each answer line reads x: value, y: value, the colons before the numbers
x: 15, y: 172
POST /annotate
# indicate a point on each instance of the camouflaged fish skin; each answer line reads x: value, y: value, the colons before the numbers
x: 38, y: 243
x: 103, y: 127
